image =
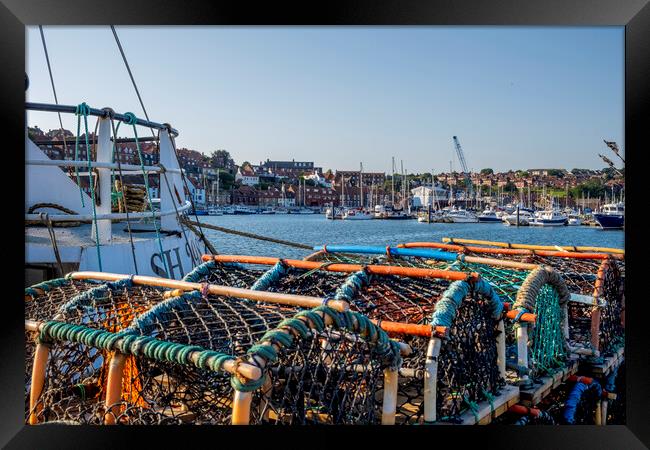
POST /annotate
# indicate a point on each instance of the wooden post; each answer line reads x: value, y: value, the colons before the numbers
x: 104, y: 154
x: 114, y: 387
x: 241, y: 408
x: 595, y: 328
x: 522, y: 348
x: 431, y: 379
x: 41, y: 355
x: 603, y: 406
x: 501, y: 349
x: 390, y: 397
x: 599, y: 417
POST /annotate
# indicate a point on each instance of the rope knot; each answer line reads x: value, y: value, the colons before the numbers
x: 205, y: 289
x: 131, y: 119
x: 82, y: 110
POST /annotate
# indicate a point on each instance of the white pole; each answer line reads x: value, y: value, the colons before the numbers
x: 104, y: 154
x: 431, y: 379
x: 522, y: 348
x: 177, y: 195
x: 501, y: 349
x: 390, y: 397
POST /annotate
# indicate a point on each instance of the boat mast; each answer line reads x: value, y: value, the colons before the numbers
x: 218, y: 171
x: 403, y: 185
x: 392, y: 184
x: 361, y: 184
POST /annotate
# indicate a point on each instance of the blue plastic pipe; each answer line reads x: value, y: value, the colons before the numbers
x: 397, y: 251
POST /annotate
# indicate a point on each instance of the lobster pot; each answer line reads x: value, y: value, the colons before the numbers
x: 224, y: 274
x: 467, y: 368
x: 172, y: 371
x: 109, y: 306
x: 599, y: 326
x: 41, y: 303
x: 541, y: 347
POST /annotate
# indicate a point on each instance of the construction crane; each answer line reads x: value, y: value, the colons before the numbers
x: 463, y: 164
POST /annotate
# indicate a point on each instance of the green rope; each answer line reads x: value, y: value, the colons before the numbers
x: 132, y: 344
x: 46, y: 286
x: 473, y: 407
x: 84, y: 110
x: 132, y: 120
x: 299, y: 325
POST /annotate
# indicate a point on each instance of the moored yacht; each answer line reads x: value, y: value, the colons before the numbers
x: 462, y: 216
x: 549, y: 218
x: 489, y: 216
x: 525, y: 216
x: 612, y: 216
x: 358, y: 214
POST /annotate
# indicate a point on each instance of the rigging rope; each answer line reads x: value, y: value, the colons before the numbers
x: 84, y: 110
x: 132, y: 120
x: 249, y: 235
x: 56, y: 99
x: 126, y: 210
x: 128, y: 68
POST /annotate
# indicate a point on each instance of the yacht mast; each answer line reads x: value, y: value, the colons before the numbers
x: 392, y: 184
x: 361, y: 184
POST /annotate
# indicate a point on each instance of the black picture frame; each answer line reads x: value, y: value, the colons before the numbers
x: 634, y: 15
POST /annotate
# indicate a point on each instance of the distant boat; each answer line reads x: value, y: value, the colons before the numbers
x: 281, y: 211
x: 215, y: 211
x: 489, y: 216
x: 462, y: 216
x: 549, y: 218
x: 305, y: 211
x: 525, y: 217
x: 199, y: 212
x: 243, y: 210
x: 574, y: 220
x: 334, y: 213
x: 388, y: 213
x: 356, y: 214
x: 267, y: 211
x: 612, y: 217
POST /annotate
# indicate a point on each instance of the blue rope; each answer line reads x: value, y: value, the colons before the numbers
x: 571, y: 404
x: 352, y: 285
x: 46, y: 286
x: 202, y: 271
x: 86, y: 298
x: 270, y: 277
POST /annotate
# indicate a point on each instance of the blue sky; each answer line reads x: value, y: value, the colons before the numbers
x: 517, y: 97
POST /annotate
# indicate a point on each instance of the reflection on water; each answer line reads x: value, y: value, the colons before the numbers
x: 316, y: 230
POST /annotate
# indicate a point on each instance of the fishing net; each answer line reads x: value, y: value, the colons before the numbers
x: 545, y: 295
x: 224, y: 274
x: 325, y: 374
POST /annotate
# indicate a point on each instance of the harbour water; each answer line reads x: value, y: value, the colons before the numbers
x: 316, y: 230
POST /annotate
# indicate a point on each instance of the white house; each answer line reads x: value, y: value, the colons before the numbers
x: 423, y: 196
x: 196, y: 191
x: 319, y: 179
x: 247, y: 176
